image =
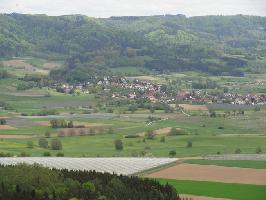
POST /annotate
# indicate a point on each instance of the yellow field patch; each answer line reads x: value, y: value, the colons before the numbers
x: 6, y: 127
x: 161, y: 131
x: 49, y: 66
x: 22, y: 64
x: 16, y: 136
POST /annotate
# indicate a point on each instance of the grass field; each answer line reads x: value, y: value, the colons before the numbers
x: 231, y: 163
x: 219, y: 190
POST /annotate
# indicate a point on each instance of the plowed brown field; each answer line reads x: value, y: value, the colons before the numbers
x: 213, y: 173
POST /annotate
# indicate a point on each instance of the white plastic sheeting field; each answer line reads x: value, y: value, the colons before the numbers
x: 125, y: 166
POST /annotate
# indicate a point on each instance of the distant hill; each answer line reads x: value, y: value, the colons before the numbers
x: 220, y: 45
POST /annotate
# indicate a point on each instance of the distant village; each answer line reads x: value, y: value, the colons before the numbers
x: 122, y: 88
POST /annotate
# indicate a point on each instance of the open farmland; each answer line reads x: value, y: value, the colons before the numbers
x: 213, y: 173
x: 254, y: 164
x: 231, y: 191
x: 125, y: 166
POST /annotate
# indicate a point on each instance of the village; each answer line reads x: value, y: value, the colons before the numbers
x: 123, y: 88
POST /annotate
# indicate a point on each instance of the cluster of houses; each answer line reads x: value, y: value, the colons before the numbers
x: 225, y: 98
x: 123, y: 88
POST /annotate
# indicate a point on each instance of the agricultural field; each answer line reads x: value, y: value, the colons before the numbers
x: 28, y: 65
x: 254, y: 164
x: 200, y: 172
x: 215, y: 179
x: 218, y: 190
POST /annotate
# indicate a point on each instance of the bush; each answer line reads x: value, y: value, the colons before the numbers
x: 162, y: 139
x: 30, y: 144
x: 25, y: 85
x: 175, y: 131
x: 212, y: 114
x: 56, y: 144
x: 172, y: 153
x: 46, y: 112
x: 43, y: 143
x: 189, y: 144
x: 60, y: 154
x: 46, y: 154
x: 258, y: 150
x: 150, y: 135
x: 132, y: 136
x: 3, y: 74
x: 2, y: 154
x: 24, y: 154
x: 237, y: 151
x: 118, y: 144
x: 47, y: 134
x: 3, y: 122
x: 257, y: 108
x: 110, y: 131
x: 70, y: 124
x: 110, y: 110
x: 55, y: 123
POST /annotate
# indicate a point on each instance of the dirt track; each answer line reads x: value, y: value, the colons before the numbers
x: 193, y: 197
x: 16, y: 136
x: 213, y: 173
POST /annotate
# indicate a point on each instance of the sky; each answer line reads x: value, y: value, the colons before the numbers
x: 107, y: 8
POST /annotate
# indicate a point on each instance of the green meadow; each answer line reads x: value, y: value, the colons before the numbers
x: 219, y: 190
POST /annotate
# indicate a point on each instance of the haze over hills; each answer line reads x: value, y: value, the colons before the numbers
x: 219, y: 45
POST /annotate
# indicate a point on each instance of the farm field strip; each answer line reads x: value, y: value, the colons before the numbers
x: 213, y: 173
x: 254, y: 164
x: 237, y: 157
x: 125, y: 166
x: 218, y: 190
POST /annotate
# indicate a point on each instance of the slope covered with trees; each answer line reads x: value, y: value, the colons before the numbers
x: 38, y: 183
x: 219, y: 45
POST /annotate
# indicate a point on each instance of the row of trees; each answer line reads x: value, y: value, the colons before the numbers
x: 55, y: 144
x: 55, y: 123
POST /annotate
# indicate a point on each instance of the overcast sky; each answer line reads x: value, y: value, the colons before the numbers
x: 106, y: 8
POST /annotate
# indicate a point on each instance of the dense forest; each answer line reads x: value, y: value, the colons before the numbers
x: 219, y: 45
x: 37, y: 183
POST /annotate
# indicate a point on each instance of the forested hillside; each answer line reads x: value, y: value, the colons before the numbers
x: 220, y: 45
x: 37, y: 183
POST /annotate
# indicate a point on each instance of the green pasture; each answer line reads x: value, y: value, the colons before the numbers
x: 219, y: 190
x: 204, y: 133
x: 103, y: 144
